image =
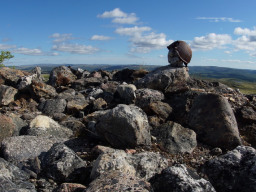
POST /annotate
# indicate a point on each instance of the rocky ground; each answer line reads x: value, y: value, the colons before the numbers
x: 126, y: 130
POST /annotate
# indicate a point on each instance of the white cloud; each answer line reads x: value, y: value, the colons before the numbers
x: 27, y: 51
x: 131, y: 19
x: 147, y: 43
x: 144, y: 43
x: 247, y: 41
x: 114, y: 13
x: 211, y: 41
x: 220, y: 19
x: 59, y: 38
x: 4, y: 46
x: 120, y: 16
x: 100, y: 37
x: 75, y: 48
x: 132, y: 31
x: 238, y: 61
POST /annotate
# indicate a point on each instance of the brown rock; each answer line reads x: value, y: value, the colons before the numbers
x: 71, y: 187
x: 42, y: 90
x: 7, y: 127
x: 11, y: 76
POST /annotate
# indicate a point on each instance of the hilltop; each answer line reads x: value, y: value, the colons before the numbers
x: 124, y: 130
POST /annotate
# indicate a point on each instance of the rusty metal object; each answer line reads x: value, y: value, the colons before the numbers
x: 182, y: 49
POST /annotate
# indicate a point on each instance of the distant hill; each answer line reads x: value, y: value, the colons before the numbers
x: 223, y: 72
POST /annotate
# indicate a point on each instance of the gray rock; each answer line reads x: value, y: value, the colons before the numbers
x: 45, y: 126
x: 118, y: 181
x: 234, y: 171
x: 175, y: 138
x: 84, y: 83
x: 146, y: 96
x: 94, y: 92
x: 7, y: 94
x: 61, y: 76
x: 248, y: 114
x: 162, y: 78
x: 13, y: 179
x: 112, y: 161
x: 67, y: 94
x: 21, y: 148
x: 127, y: 93
x: 213, y: 120
x: 143, y: 165
x: 53, y: 106
x: 124, y: 127
x: 18, y: 122
x: 63, y: 165
x: 7, y: 127
x: 178, y: 178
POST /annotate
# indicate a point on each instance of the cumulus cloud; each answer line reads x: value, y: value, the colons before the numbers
x: 75, y: 48
x: 119, y: 16
x: 114, y: 13
x: 211, y: 41
x: 247, y: 41
x: 132, y: 31
x: 100, y: 38
x: 220, y: 19
x: 27, y: 51
x: 143, y: 43
x: 63, y: 43
x: 33, y: 52
x: 59, y: 38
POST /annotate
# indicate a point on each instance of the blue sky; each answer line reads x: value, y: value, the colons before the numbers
x: 220, y: 32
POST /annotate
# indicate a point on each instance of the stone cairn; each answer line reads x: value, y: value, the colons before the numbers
x: 127, y: 130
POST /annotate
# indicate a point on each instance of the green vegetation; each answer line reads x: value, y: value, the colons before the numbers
x: 5, y: 55
x: 46, y: 77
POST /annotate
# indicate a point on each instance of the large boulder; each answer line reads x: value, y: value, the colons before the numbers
x: 21, y: 148
x: 14, y: 179
x: 7, y: 94
x: 125, y: 126
x: 162, y: 78
x: 214, y: 122
x: 178, y: 178
x: 53, y: 106
x: 176, y: 139
x: 61, y: 76
x: 9, y: 76
x: 45, y: 126
x: 7, y: 127
x: 39, y: 90
x: 143, y: 165
x: 62, y: 164
x: 118, y: 181
x: 234, y: 171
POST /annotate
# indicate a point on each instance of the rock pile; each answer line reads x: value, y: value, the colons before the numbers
x: 126, y: 130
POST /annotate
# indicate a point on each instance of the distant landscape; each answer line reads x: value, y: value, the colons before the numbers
x: 242, y: 79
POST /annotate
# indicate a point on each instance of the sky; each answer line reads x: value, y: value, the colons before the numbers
x: 220, y: 32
